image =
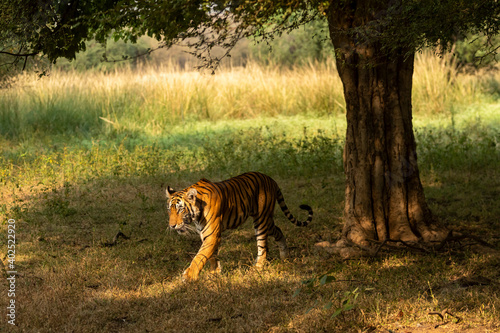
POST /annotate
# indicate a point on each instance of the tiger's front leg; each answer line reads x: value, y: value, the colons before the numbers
x: 208, y: 250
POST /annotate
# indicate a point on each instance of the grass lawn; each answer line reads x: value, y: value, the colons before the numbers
x: 82, y: 160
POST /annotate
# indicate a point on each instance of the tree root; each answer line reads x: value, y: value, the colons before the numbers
x: 457, y: 237
x: 348, y: 250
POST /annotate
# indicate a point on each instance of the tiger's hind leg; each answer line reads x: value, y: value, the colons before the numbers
x: 215, y: 266
x: 262, y: 230
x: 280, y: 239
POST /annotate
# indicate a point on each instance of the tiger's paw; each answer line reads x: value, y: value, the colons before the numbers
x: 189, y: 275
x: 215, y: 266
x: 284, y: 253
x: 260, y: 263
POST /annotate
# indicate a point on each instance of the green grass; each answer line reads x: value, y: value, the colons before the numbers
x: 73, y: 180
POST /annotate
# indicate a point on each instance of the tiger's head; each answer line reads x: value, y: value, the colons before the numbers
x: 182, y: 209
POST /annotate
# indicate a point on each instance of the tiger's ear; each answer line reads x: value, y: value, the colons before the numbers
x: 169, y: 192
x: 191, y: 195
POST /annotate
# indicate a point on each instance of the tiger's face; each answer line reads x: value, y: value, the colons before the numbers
x: 182, y: 209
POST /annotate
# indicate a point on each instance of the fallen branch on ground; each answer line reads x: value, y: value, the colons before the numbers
x: 115, y: 239
x: 442, y: 314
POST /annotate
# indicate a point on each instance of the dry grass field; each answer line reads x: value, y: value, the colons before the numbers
x: 85, y: 156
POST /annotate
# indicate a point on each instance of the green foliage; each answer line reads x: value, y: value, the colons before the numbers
x: 114, y: 55
x: 471, y: 148
x: 470, y: 51
x: 302, y: 46
x: 308, y: 43
x: 54, y: 28
x: 413, y: 25
x: 60, y: 28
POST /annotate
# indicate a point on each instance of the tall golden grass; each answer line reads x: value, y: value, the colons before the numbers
x: 155, y: 98
x: 439, y: 86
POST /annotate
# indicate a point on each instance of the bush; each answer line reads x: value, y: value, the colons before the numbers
x: 471, y: 53
x: 308, y: 43
x: 115, y: 52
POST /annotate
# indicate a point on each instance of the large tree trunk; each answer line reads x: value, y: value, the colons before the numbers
x: 384, y: 198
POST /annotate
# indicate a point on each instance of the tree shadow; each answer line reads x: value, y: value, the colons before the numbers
x: 71, y: 279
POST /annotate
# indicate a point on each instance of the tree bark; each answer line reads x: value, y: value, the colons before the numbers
x: 384, y: 198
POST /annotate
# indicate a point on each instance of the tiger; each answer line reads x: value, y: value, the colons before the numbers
x: 211, y: 208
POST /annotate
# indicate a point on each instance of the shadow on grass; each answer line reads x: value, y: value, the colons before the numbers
x: 213, y: 305
x: 71, y: 281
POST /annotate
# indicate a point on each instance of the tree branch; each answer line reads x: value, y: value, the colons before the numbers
x: 148, y: 52
x: 442, y: 315
x: 19, y: 54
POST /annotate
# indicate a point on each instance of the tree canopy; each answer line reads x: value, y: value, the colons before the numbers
x: 59, y: 28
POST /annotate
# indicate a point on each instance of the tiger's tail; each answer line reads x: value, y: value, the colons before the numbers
x: 290, y: 217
